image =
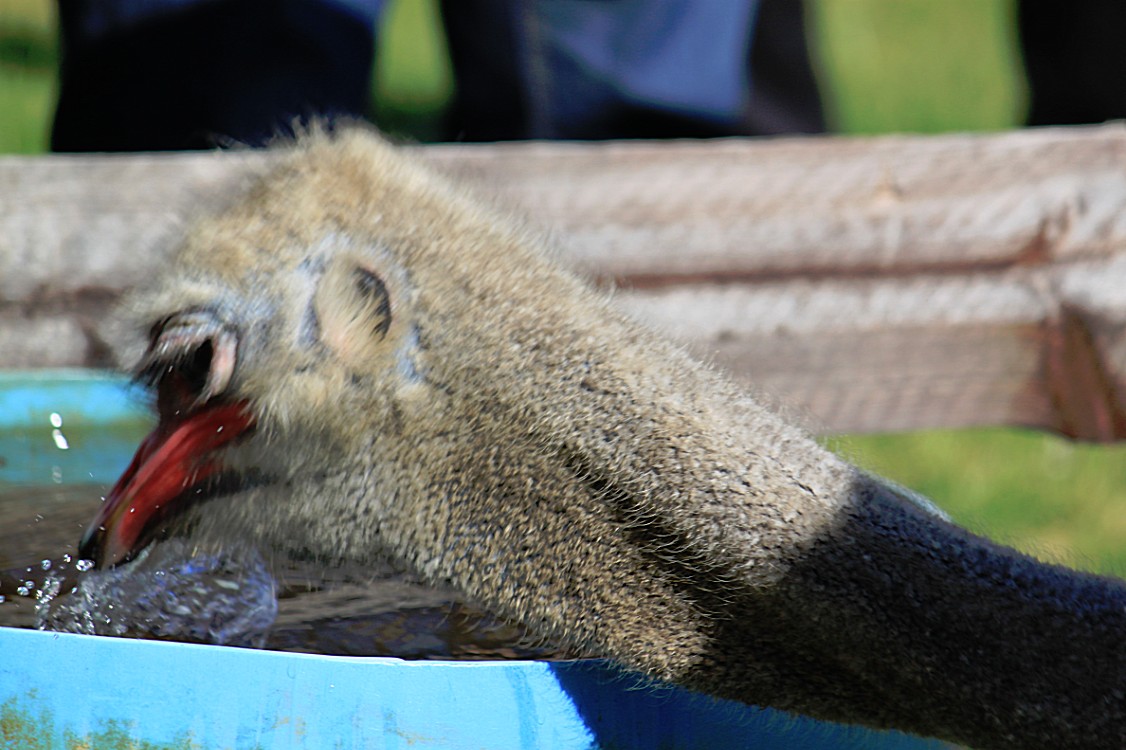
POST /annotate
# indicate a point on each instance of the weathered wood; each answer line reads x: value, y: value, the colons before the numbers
x: 868, y: 284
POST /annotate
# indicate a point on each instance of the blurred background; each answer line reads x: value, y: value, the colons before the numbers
x: 883, y: 66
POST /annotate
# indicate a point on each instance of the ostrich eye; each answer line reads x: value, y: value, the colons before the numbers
x: 196, y: 366
x: 376, y: 299
x: 191, y: 359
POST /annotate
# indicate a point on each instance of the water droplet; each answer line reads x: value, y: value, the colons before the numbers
x: 23, y: 591
x: 49, y: 591
x: 45, y: 564
x: 83, y: 565
x: 2, y: 599
x: 60, y: 439
x: 67, y: 558
x: 56, y: 419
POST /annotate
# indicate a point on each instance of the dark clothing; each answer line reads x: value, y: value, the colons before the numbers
x: 189, y: 74
x: 201, y: 74
x: 1075, y: 59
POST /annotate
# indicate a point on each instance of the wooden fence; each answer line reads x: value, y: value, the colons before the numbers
x: 870, y: 284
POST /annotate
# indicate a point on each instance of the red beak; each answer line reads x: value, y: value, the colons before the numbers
x: 174, y: 458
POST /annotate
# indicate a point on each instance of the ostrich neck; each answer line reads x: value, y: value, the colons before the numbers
x: 722, y: 549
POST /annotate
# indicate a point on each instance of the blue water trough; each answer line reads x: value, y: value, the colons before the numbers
x: 66, y: 691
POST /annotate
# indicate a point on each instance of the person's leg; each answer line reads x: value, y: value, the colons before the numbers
x: 181, y: 74
x: 1075, y: 60
x: 629, y: 69
x: 490, y: 69
x: 785, y: 96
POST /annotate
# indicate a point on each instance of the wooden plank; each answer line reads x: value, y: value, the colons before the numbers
x: 861, y: 355
x: 867, y: 284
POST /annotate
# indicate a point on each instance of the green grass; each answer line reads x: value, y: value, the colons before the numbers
x: 27, y: 74
x: 919, y: 65
x: 887, y: 66
x: 1058, y: 500
x: 413, y: 80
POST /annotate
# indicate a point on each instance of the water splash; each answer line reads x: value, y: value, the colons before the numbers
x: 172, y: 591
